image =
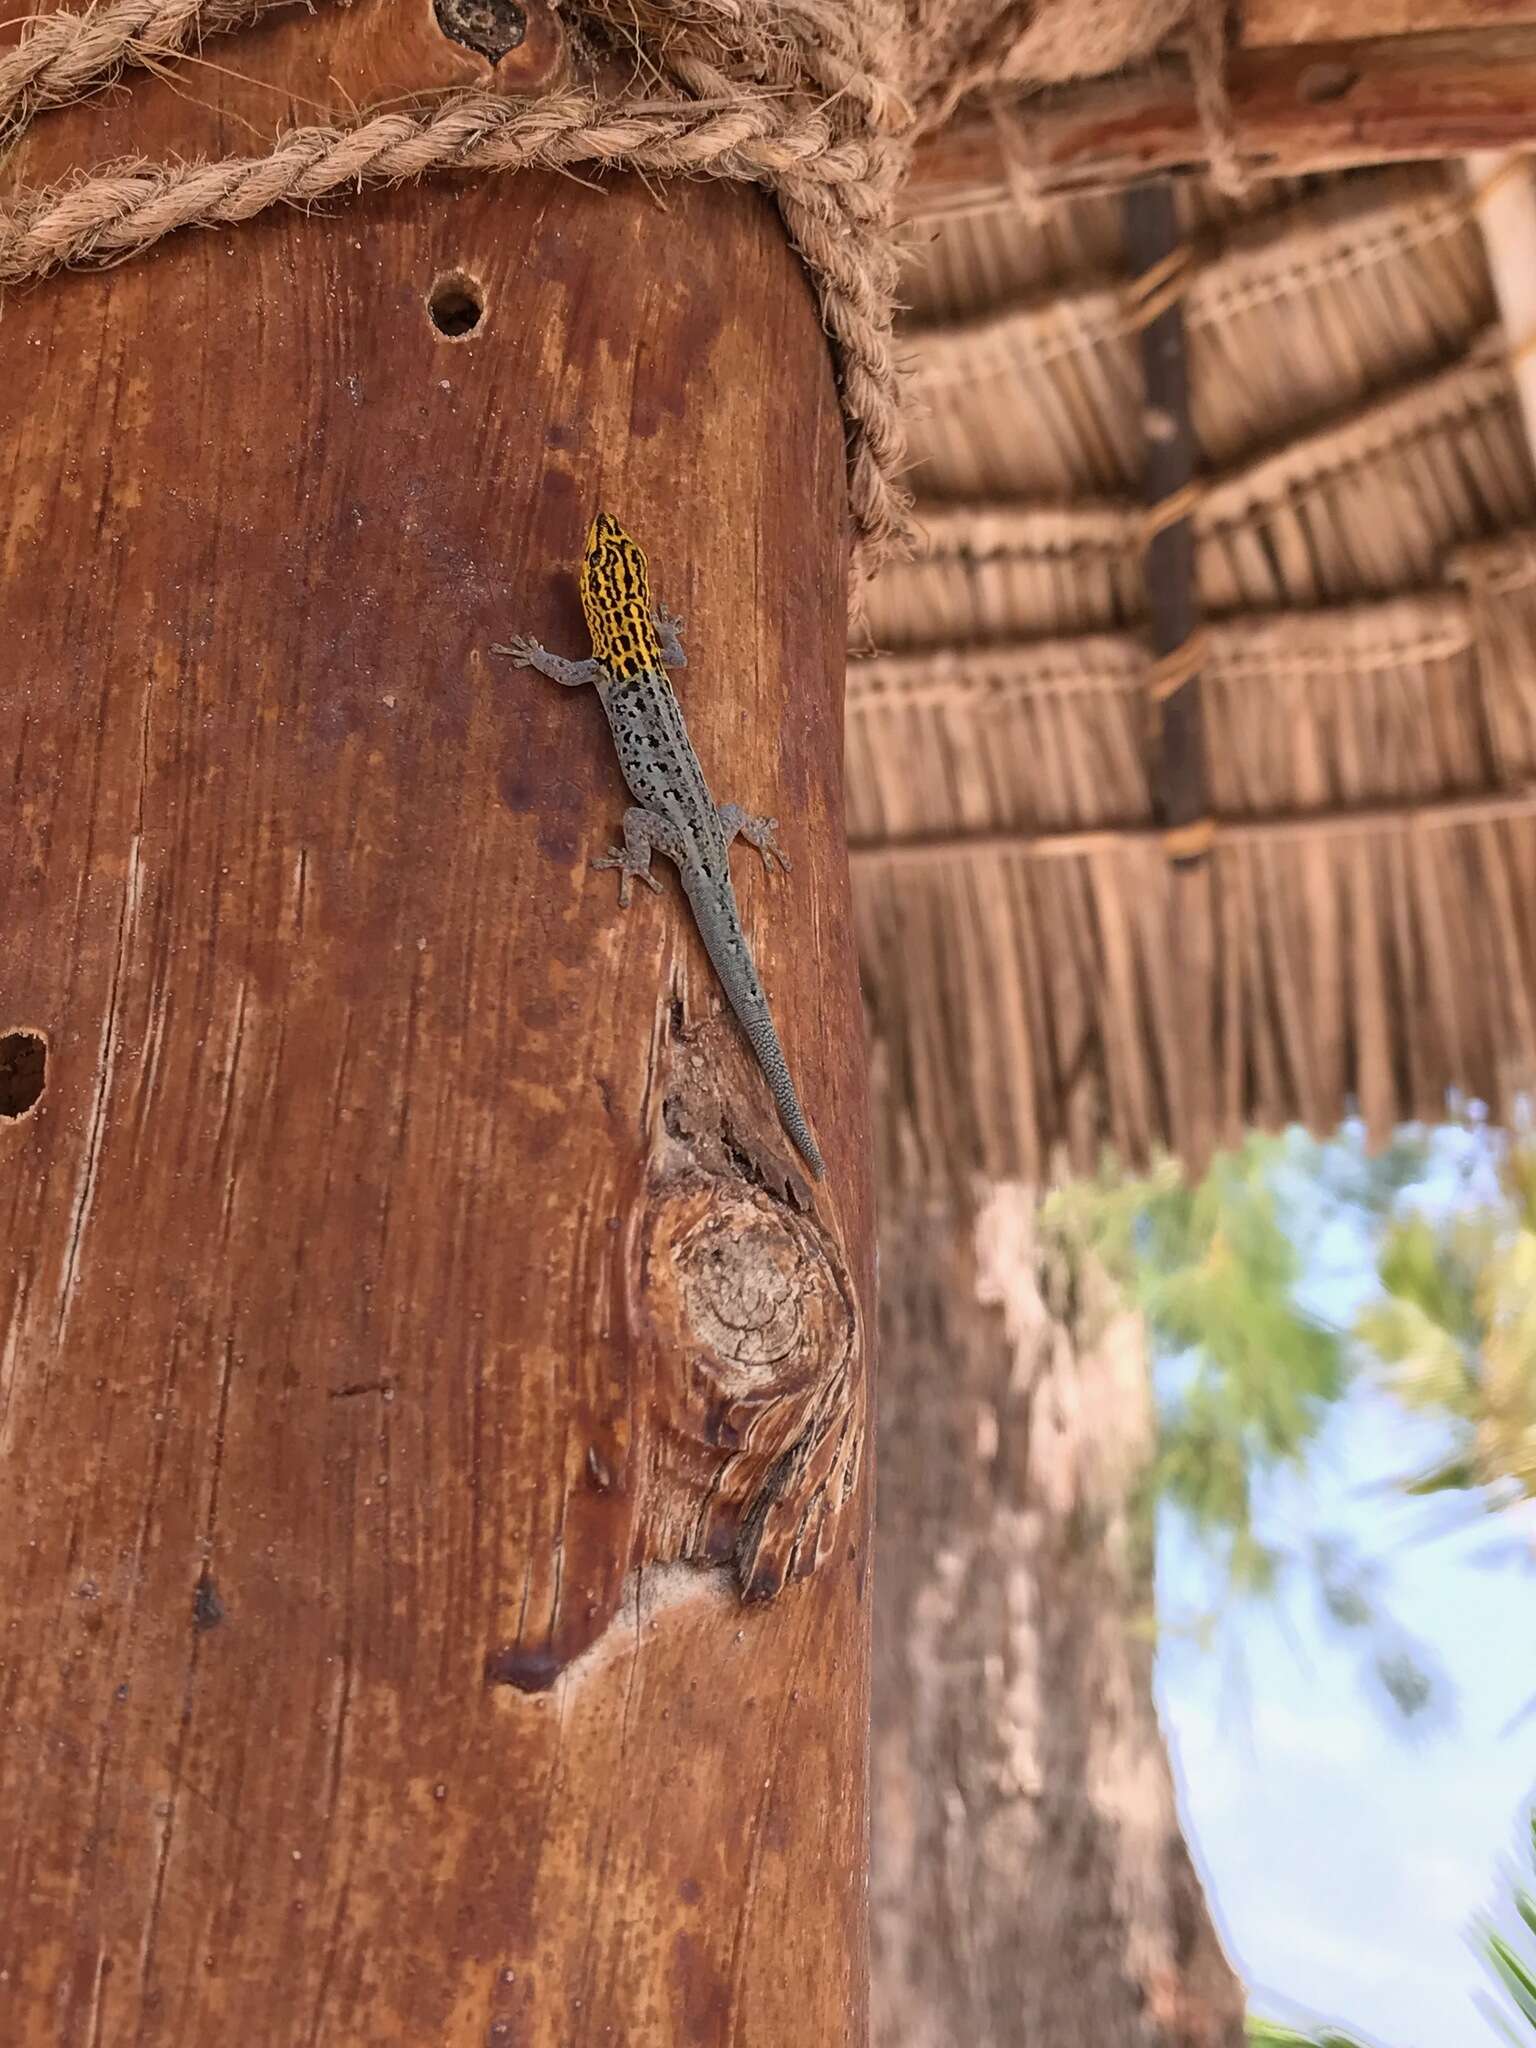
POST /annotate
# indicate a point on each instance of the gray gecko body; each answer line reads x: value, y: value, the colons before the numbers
x: 633, y: 646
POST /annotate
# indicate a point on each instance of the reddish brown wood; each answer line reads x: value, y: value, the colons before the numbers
x: 236, y: 87
x: 402, y: 1264
x: 1317, y: 107
x: 1322, y: 21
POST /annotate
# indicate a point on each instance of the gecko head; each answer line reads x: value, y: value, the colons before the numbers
x: 616, y: 595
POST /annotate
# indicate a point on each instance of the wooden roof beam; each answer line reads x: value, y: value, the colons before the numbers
x: 1161, y: 263
x: 1270, y: 22
x: 1295, y: 108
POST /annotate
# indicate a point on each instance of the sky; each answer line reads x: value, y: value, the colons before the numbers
x: 1344, y: 1851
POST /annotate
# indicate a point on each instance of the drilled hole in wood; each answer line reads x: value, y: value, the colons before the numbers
x: 23, y: 1070
x: 456, y: 305
x: 1321, y: 83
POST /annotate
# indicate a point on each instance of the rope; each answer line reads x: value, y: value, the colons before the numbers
x: 1207, y: 42
x: 1190, y: 842
x: 1179, y: 504
x: 63, y: 57
x: 1171, y: 671
x: 1148, y: 295
x: 118, y: 212
x: 835, y: 195
x: 811, y: 99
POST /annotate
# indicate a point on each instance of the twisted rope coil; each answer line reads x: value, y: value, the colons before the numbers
x: 819, y: 101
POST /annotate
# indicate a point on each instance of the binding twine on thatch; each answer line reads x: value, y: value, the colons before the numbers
x: 818, y: 101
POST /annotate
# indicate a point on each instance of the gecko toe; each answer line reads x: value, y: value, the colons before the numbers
x: 521, y: 652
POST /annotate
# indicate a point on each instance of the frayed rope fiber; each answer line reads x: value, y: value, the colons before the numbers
x: 819, y: 101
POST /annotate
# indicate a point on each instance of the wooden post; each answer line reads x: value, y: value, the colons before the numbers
x: 417, y: 1339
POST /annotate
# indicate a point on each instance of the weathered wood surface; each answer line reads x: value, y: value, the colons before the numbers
x: 1030, y: 1881
x: 1320, y: 21
x: 1313, y: 107
x: 403, y: 1249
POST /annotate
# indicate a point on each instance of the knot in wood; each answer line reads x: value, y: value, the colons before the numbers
x: 756, y: 1348
x: 493, y: 27
x: 748, y: 1289
x: 742, y: 1293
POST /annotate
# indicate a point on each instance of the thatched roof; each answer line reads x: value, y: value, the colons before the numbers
x: 1363, y: 930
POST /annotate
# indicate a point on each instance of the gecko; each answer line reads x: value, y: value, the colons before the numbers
x: 633, y: 645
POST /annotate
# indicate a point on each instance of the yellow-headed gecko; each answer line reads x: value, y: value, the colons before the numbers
x: 633, y: 646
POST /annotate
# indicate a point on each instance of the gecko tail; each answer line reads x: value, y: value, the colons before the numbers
x: 770, y: 1057
x: 727, y: 950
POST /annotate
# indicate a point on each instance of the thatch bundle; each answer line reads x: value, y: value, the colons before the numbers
x: 1041, y: 974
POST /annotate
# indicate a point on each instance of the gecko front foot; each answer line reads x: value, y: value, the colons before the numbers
x: 643, y: 832
x: 529, y: 654
x: 523, y: 651
x: 758, y: 832
x: 669, y: 637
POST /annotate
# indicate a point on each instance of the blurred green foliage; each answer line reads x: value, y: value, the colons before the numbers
x: 1252, y: 1371
x: 1454, y: 1334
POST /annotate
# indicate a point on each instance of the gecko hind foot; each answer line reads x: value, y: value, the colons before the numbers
x: 643, y: 833
x: 759, y: 832
x: 629, y: 868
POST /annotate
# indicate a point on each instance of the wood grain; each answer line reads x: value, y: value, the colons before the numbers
x: 403, y: 1267
x: 1320, y: 106
x: 1320, y: 21
x: 278, y: 69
